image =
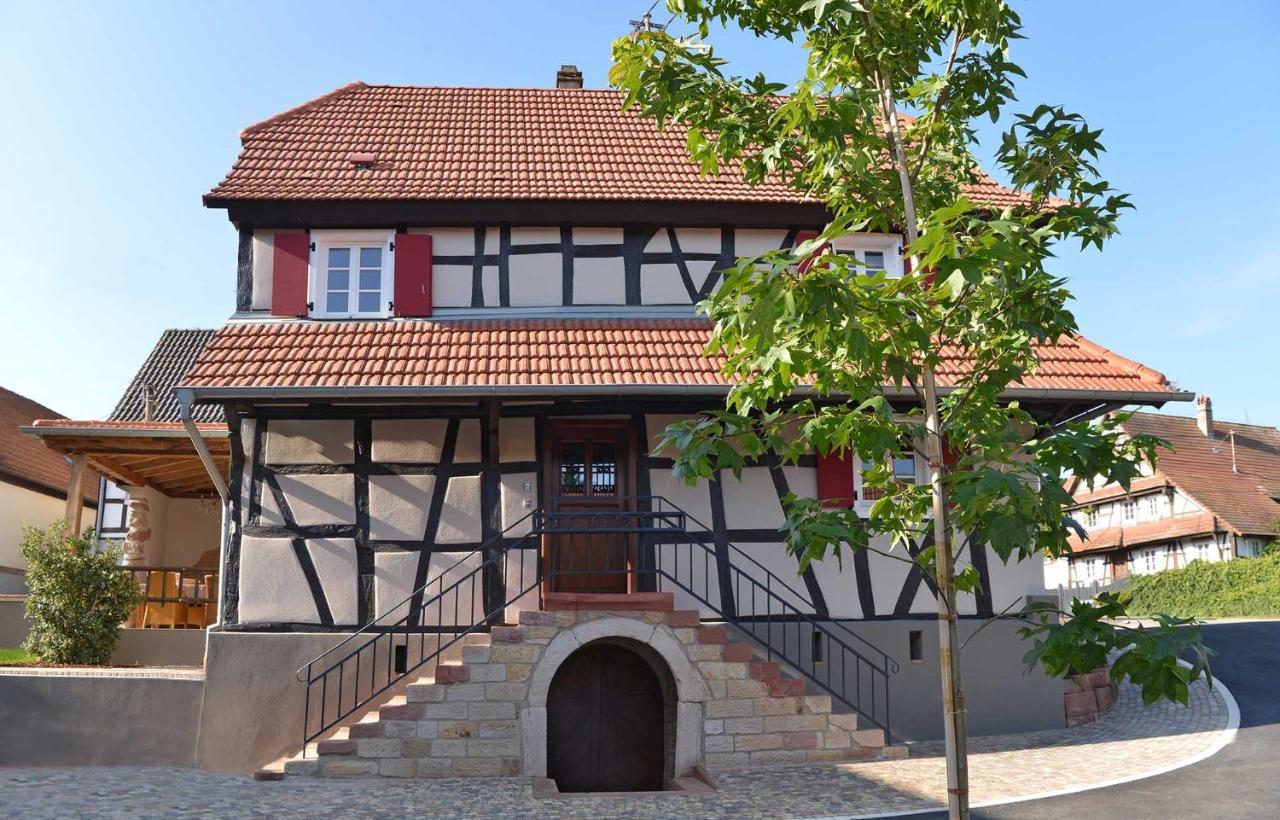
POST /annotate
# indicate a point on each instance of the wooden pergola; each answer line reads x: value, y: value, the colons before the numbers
x: 152, y: 454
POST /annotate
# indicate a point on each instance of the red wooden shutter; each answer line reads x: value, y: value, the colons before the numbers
x: 805, y: 236
x: 413, y: 275
x: 289, y: 273
x: 835, y: 479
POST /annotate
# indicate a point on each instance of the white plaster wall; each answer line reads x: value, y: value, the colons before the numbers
x: 313, y: 499
x: 408, y: 440
x: 660, y: 284
x: 753, y: 242
x: 450, y: 241
x: 335, y: 563
x: 393, y: 577
x: 21, y: 507
x: 516, y: 440
x: 751, y: 502
x: 398, y: 506
x: 450, y: 285
x: 519, y: 494
x: 535, y: 279
x: 599, y: 282
x: 310, y: 441
x: 534, y: 236
x: 272, y: 586
x: 468, y: 449
x: 775, y: 558
x: 489, y: 286
x: 460, y: 516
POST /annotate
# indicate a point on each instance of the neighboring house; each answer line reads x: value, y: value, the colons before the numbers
x: 156, y: 500
x: 463, y: 316
x: 33, y: 484
x: 1214, y: 496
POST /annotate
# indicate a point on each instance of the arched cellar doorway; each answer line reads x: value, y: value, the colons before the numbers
x: 611, y: 719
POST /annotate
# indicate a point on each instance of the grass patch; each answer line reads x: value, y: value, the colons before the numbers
x: 16, y: 657
x: 1245, y: 588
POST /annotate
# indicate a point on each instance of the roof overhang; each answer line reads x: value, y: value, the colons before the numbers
x: 1060, y: 405
x: 144, y: 454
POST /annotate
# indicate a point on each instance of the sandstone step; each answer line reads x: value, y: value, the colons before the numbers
x: 616, y: 602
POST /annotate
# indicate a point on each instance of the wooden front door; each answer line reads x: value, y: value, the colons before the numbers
x: 605, y: 723
x: 589, y: 472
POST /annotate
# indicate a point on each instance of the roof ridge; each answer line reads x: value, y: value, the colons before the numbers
x: 299, y: 109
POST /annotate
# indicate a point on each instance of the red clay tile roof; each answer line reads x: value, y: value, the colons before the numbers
x: 1139, y: 486
x: 1201, y: 467
x: 27, y: 459
x: 550, y: 352
x: 1243, y: 503
x: 1148, y: 532
x: 433, y: 143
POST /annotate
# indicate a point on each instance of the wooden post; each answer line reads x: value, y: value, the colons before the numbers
x: 75, y: 493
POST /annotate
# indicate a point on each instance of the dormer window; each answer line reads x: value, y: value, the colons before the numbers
x: 874, y: 252
x: 351, y: 274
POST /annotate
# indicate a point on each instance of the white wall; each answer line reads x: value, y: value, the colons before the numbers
x: 21, y: 507
x: 536, y: 279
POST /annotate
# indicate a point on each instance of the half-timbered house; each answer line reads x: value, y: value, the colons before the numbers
x: 462, y: 317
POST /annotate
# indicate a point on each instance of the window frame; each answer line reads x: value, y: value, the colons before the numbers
x: 859, y: 463
x: 317, y: 282
x: 859, y: 244
x: 1129, y: 511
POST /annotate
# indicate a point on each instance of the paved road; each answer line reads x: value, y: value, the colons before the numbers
x: 1241, y: 781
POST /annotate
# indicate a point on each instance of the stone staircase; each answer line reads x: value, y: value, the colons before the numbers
x: 466, y: 718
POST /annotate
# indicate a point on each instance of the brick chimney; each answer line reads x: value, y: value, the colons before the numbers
x: 1204, y: 415
x: 568, y: 77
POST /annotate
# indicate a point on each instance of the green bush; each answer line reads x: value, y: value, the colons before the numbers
x: 77, y: 599
x: 1231, y: 589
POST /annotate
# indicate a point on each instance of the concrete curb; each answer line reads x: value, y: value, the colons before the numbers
x: 1225, y: 737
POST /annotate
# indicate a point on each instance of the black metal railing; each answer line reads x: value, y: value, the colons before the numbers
x: 651, y: 544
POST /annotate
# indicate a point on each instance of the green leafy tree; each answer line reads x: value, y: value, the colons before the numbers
x: 77, y: 599
x: 825, y: 355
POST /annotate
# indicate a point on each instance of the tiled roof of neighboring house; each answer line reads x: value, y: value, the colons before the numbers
x: 26, y: 459
x: 433, y: 143
x: 1139, y: 486
x: 1201, y: 467
x: 175, y: 351
x: 1243, y: 502
x: 552, y: 352
x: 1148, y: 532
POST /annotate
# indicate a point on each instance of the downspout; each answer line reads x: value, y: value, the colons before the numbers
x: 211, y: 467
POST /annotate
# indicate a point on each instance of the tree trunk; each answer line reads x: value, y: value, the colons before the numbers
x: 954, y: 728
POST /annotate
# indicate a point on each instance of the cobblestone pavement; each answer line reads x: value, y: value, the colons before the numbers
x: 1131, y: 740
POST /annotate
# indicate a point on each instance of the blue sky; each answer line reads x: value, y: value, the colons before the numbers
x: 119, y: 116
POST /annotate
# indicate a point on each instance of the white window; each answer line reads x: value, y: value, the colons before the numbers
x: 904, y: 472
x: 113, y: 514
x: 351, y: 274
x: 1091, y: 518
x: 1152, y: 507
x: 1149, y: 560
x: 1130, y: 509
x: 874, y: 252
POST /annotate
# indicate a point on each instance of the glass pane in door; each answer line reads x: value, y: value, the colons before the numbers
x: 604, y: 468
x: 573, y: 467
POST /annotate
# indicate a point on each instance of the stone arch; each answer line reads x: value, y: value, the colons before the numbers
x: 691, y: 689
